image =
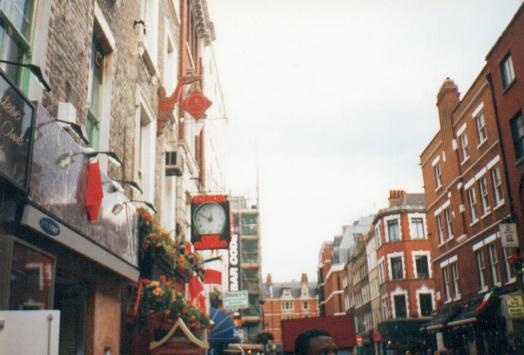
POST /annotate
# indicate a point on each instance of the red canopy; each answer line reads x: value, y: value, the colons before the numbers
x: 341, y: 329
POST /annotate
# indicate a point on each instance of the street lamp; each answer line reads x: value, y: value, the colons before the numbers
x: 35, y: 70
x: 120, y: 206
x: 66, y: 159
x: 75, y: 128
x: 133, y: 185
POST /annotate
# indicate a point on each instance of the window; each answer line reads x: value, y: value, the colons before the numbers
x: 400, y: 306
x: 449, y: 222
x: 16, y: 28
x: 438, y: 175
x: 422, y: 265
x: 393, y: 231
x: 287, y: 305
x: 507, y: 72
x: 286, y: 292
x: 440, y: 228
x: 417, y: 228
x: 451, y: 281
x: 495, y: 265
x: 510, y: 270
x: 517, y: 132
x: 378, y: 237
x: 426, y: 304
x: 384, y: 308
x: 481, y: 265
x: 482, y: 134
x: 381, y: 274
x: 396, y: 268
x: 483, y: 184
x: 464, y: 148
x: 473, y: 205
x: 497, y: 185
x: 305, y: 305
x: 150, y: 12
x: 96, y: 92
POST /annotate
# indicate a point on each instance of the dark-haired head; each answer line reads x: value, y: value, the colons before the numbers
x: 303, y: 340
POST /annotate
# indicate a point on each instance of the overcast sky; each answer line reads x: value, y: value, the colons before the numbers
x: 333, y: 101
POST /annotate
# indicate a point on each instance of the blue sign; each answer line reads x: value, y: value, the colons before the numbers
x: 49, y: 226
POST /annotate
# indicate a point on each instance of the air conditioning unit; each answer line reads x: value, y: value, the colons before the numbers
x: 174, y: 164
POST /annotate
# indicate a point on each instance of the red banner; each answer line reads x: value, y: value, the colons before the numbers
x: 195, y: 287
x: 94, y: 192
x: 212, y: 277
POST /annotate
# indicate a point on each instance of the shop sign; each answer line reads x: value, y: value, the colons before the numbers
x: 514, y: 305
x: 236, y: 300
x: 234, y: 264
x: 210, y: 222
x: 49, y: 226
x: 16, y: 133
x: 508, y: 235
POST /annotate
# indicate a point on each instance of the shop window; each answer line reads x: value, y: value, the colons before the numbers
x: 400, y: 306
x: 426, y: 304
x: 31, y: 281
x: 16, y: 27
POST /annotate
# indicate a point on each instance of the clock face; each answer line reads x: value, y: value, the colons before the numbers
x: 209, y: 218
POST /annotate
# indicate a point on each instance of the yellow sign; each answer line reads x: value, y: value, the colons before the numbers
x: 515, y: 305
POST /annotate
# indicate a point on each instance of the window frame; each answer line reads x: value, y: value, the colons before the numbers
x: 481, y: 269
x: 497, y: 186
x: 400, y: 259
x: 517, y: 136
x: 416, y: 227
x: 438, y: 176
x: 416, y: 258
x: 507, y: 71
x: 397, y: 234
x: 464, y: 147
x: 395, y: 296
x: 440, y: 229
x: 472, y: 199
x: 494, y: 262
x: 420, y: 294
x: 448, y: 219
x: 484, y: 196
x: 482, y: 132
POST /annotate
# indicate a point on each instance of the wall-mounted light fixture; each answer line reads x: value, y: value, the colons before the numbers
x: 133, y: 185
x: 75, y: 128
x: 35, y: 70
x: 120, y: 206
x: 66, y: 159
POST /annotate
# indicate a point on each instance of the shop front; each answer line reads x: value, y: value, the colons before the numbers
x: 63, y: 244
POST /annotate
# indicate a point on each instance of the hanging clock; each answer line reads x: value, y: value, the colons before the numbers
x: 210, y: 222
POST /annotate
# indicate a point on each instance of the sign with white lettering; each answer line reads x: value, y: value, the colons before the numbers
x: 234, y: 263
x: 16, y: 133
x: 234, y: 301
x: 508, y: 235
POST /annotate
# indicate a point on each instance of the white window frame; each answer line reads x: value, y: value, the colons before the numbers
x: 286, y: 293
x: 421, y: 216
x: 497, y: 186
x: 484, y: 196
x: 425, y: 253
x: 378, y: 234
x: 150, y: 13
x: 386, y: 227
x: 440, y: 229
x: 145, y: 153
x: 424, y: 289
x: 438, y: 176
x: 390, y: 269
x: 472, y: 199
x: 494, y: 262
x: 507, y: 71
x: 384, y: 307
x: 381, y: 271
x: 448, y: 220
x: 107, y: 85
x: 399, y: 292
x: 482, y: 132
x: 481, y: 266
x: 464, y: 147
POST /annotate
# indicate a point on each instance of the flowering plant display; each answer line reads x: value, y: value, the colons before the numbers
x: 157, y: 296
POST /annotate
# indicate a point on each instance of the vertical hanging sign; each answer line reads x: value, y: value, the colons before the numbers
x: 234, y: 257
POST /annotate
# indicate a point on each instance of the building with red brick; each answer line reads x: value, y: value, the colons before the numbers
x: 467, y: 198
x: 505, y: 75
x: 406, y: 284
x: 288, y: 300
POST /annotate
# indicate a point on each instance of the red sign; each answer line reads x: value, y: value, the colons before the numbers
x: 196, y: 104
x: 94, y: 192
x: 210, y: 222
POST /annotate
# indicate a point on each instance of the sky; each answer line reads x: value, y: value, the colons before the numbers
x: 330, y: 104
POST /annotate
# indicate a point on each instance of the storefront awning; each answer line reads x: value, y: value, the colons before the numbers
x: 440, y: 319
x: 471, y: 311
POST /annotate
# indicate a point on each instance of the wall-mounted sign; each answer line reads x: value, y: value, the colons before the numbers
x: 508, y: 235
x: 16, y: 133
x: 234, y: 301
x: 210, y: 222
x: 49, y: 226
x: 514, y: 305
x: 234, y: 264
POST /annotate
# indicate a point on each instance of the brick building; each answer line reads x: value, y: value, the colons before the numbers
x: 105, y: 61
x: 407, y: 287
x: 288, y: 300
x: 471, y: 179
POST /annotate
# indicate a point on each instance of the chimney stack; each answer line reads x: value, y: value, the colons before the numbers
x: 303, y: 278
x: 269, y: 279
x: 395, y: 197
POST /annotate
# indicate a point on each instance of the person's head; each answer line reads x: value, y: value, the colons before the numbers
x: 315, y: 342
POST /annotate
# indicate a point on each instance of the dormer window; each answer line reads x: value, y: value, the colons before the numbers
x: 305, y: 291
x: 286, y: 292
